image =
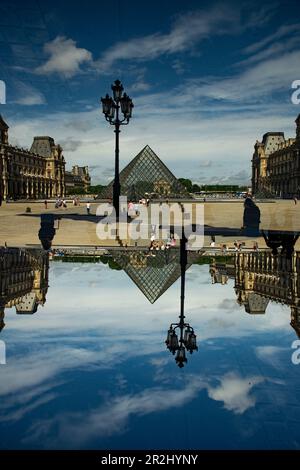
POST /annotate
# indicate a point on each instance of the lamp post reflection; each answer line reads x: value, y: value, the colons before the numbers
x: 181, y: 336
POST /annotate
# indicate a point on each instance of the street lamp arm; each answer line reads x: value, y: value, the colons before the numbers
x: 184, y: 325
x: 119, y: 122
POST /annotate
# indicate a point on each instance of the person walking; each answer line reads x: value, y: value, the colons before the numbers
x: 46, y: 204
x: 295, y: 199
x: 88, y: 207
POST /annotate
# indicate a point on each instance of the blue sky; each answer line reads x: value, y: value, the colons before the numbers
x: 83, y: 373
x: 207, y: 79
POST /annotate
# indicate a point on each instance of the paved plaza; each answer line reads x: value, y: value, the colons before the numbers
x: 18, y: 228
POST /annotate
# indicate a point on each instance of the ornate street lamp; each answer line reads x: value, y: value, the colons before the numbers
x: 111, y: 108
x: 185, y: 339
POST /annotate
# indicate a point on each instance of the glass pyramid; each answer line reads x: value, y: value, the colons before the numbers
x: 152, y: 272
x: 147, y: 174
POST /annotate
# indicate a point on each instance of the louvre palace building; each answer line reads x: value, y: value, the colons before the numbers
x: 30, y: 174
x: 276, y: 165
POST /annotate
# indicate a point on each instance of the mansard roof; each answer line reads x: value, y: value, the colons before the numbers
x: 42, y: 145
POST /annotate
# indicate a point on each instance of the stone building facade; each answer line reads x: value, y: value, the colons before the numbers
x: 30, y: 174
x: 79, y: 177
x: 23, y: 280
x: 276, y: 165
x: 262, y: 277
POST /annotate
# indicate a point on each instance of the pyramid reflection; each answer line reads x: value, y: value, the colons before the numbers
x: 153, y: 273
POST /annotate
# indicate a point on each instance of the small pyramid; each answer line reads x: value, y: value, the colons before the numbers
x: 146, y: 173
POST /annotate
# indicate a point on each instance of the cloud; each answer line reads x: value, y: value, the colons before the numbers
x: 260, y: 16
x: 283, y: 31
x: 242, y: 178
x: 70, y: 145
x: 73, y: 430
x: 29, y: 371
x: 18, y: 414
x: 206, y: 164
x: 188, y: 30
x: 27, y: 95
x: 285, y: 39
x: 77, y: 124
x: 65, y: 58
x: 140, y: 85
x: 224, y: 137
x: 272, y: 51
x: 178, y: 66
x: 221, y: 323
x: 257, y: 83
x: 270, y: 355
x: 234, y: 392
x: 107, y: 174
x: 229, y: 305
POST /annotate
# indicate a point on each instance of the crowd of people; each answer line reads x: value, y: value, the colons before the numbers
x: 59, y: 203
x: 62, y: 203
x: 156, y: 244
x: 237, y: 245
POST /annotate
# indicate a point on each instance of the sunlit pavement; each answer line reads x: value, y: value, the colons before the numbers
x: 77, y: 228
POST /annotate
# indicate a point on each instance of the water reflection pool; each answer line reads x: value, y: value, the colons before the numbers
x: 90, y: 369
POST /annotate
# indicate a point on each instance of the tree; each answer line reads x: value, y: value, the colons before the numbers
x: 75, y: 191
x: 187, y: 184
x: 196, y: 188
x: 97, y: 189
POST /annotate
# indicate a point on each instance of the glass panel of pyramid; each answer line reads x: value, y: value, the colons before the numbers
x: 153, y: 273
x: 147, y: 174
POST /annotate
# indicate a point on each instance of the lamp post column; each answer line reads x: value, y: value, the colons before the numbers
x: 183, y: 263
x: 116, y: 185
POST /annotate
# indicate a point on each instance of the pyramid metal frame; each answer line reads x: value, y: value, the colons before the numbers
x: 153, y: 275
x: 142, y: 174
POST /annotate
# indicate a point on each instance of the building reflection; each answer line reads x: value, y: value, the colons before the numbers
x: 23, y: 280
x: 261, y: 277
